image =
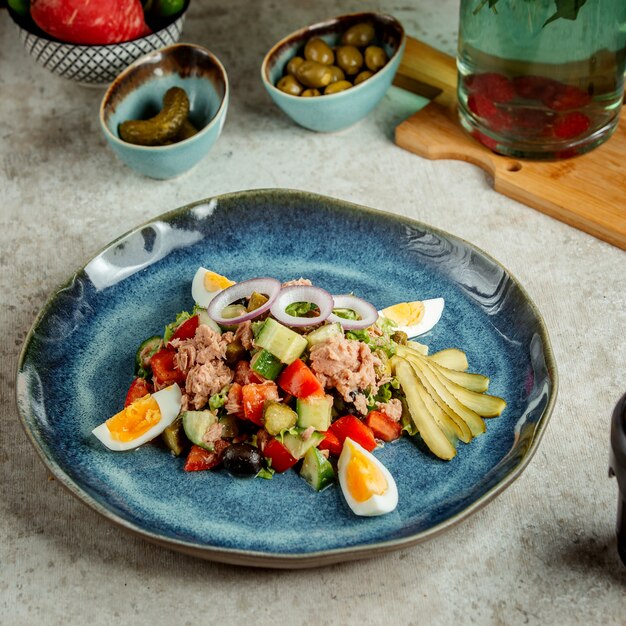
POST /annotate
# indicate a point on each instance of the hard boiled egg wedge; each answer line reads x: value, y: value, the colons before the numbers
x: 367, y: 485
x: 140, y: 421
x: 415, y: 318
x: 206, y: 285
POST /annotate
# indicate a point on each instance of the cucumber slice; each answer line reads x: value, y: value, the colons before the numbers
x: 207, y: 320
x: 440, y: 410
x: 317, y: 470
x: 277, y: 417
x: 297, y: 446
x: 449, y: 427
x: 314, y: 411
x: 325, y: 332
x: 147, y: 348
x: 426, y: 425
x: 282, y: 342
x: 418, y: 347
x: 473, y: 382
x: 474, y: 421
x: 480, y: 403
x: 452, y: 358
x: 266, y: 364
x: 196, y: 423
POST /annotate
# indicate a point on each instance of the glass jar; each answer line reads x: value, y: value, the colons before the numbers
x: 541, y: 79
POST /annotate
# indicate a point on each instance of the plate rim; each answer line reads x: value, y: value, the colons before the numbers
x: 256, y: 558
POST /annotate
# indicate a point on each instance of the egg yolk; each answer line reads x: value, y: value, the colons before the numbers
x: 364, y: 479
x: 405, y: 313
x: 214, y: 282
x: 135, y: 420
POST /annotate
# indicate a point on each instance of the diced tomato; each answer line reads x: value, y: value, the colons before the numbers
x: 383, y: 426
x: 200, y: 459
x: 278, y: 454
x: 298, y: 380
x: 331, y: 443
x: 138, y: 389
x: 162, y: 364
x: 187, y: 329
x: 244, y: 374
x: 353, y: 427
x: 254, y: 397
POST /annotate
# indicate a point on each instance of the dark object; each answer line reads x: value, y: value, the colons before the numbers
x: 242, y: 459
x: 617, y: 468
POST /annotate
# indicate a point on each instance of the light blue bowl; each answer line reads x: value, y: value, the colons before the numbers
x: 137, y: 93
x: 343, y: 109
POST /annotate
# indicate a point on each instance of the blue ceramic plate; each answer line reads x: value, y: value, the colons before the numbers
x: 78, y: 361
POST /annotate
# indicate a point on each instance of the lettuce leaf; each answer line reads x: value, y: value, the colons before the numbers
x: 170, y: 329
x: 300, y: 309
x: 218, y: 400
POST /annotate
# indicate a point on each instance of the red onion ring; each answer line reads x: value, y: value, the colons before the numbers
x: 361, y: 307
x: 267, y: 286
x: 302, y: 293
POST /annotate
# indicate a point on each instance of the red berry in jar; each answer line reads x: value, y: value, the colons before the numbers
x: 566, y: 98
x: 481, y: 106
x: 535, y: 87
x: 571, y: 125
x: 495, y: 87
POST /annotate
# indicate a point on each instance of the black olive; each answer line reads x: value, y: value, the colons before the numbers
x: 242, y: 459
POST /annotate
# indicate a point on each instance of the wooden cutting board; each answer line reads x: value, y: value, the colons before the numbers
x: 587, y: 192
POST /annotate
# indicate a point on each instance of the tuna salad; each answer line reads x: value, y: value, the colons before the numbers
x: 262, y: 376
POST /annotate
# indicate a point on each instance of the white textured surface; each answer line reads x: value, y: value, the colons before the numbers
x: 541, y: 553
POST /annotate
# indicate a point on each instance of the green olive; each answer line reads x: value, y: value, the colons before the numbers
x: 318, y: 50
x: 349, y: 59
x: 337, y: 74
x: 358, y: 35
x: 289, y: 85
x: 375, y: 58
x: 340, y: 85
x: 292, y: 66
x: 314, y: 74
x: 311, y: 93
x: 361, y: 76
x: 161, y: 128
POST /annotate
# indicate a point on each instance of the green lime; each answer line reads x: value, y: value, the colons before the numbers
x: 165, y: 8
x: 22, y: 7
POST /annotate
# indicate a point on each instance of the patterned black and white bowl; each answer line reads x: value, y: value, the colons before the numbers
x: 93, y: 65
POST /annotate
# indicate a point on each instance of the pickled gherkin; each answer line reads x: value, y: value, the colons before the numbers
x: 164, y: 126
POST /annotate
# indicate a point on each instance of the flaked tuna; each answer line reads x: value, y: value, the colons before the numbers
x: 201, y: 359
x: 347, y: 366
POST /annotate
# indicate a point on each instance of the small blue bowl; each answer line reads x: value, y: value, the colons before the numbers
x: 137, y: 93
x: 346, y: 108
x: 89, y: 64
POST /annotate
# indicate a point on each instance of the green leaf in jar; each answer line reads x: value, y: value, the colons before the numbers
x: 567, y: 9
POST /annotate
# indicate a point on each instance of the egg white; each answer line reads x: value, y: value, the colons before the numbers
x: 433, y: 310
x: 199, y: 292
x: 376, y: 504
x: 169, y: 401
